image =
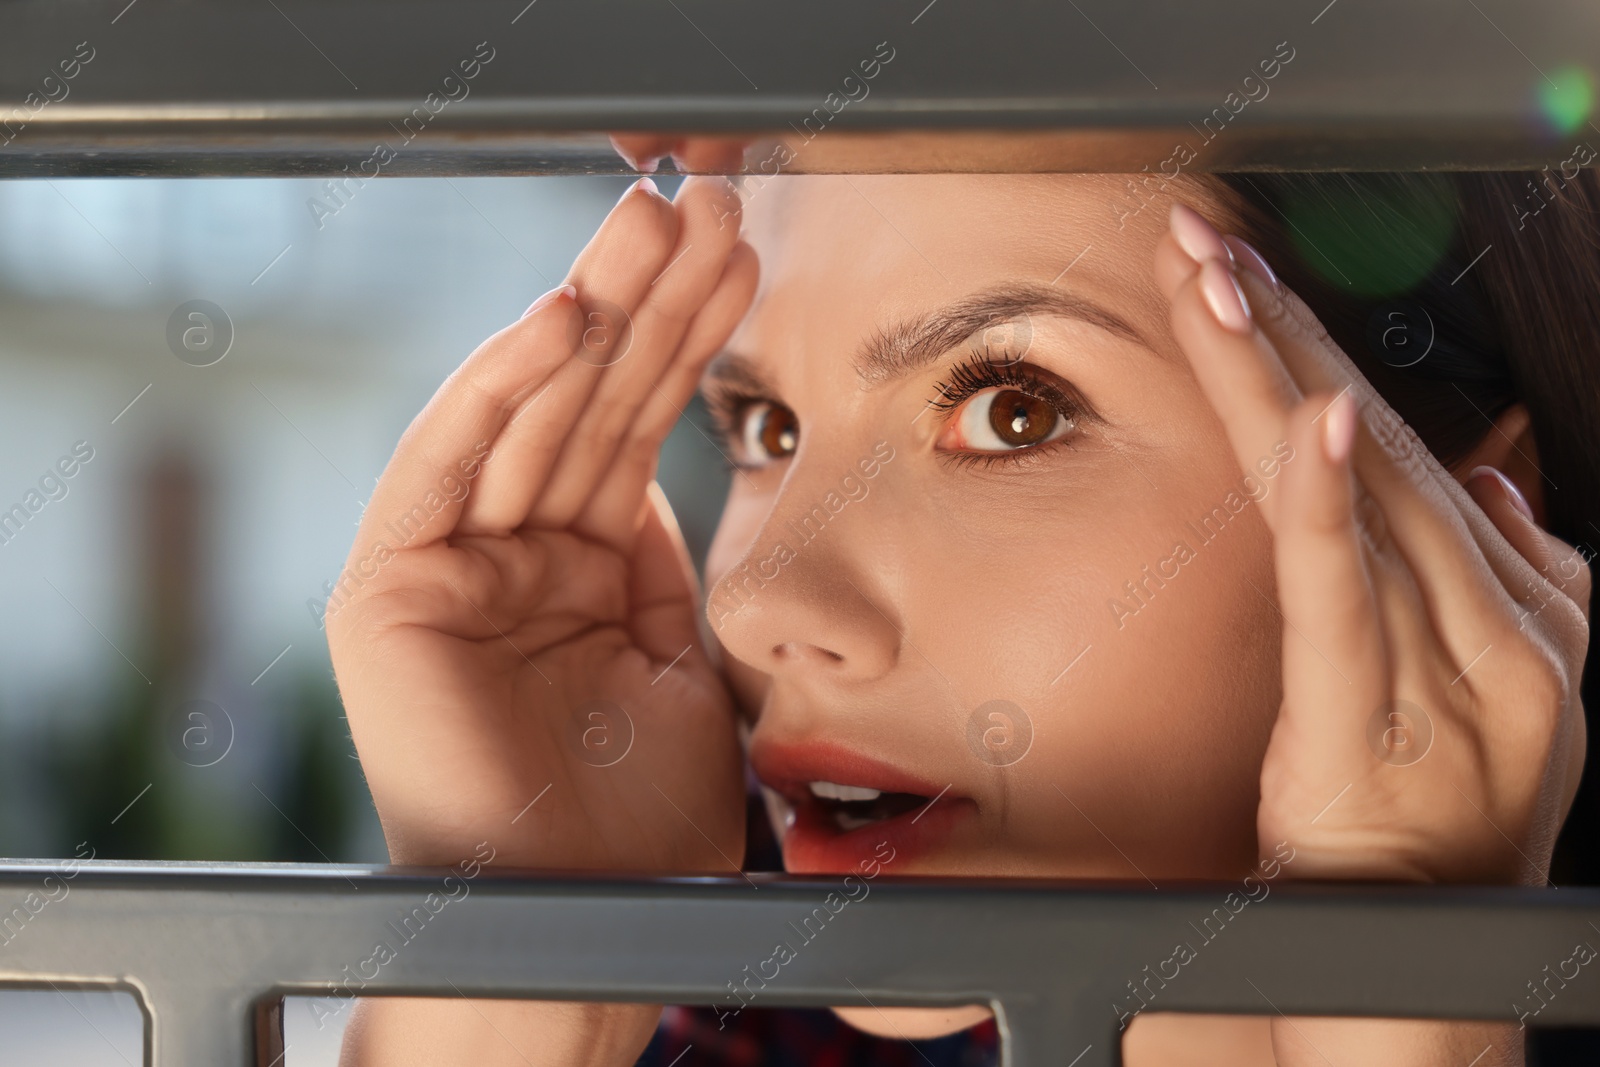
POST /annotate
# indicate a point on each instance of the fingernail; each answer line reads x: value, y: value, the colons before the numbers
x: 1251, y: 260
x: 1339, y: 428
x: 1223, y: 296
x: 1196, y: 236
x: 560, y: 290
x: 1507, y: 486
x: 647, y: 165
x: 643, y: 185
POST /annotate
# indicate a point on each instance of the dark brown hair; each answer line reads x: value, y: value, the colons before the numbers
x: 1459, y: 295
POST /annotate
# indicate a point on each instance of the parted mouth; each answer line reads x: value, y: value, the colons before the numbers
x: 827, y: 788
x: 852, y: 807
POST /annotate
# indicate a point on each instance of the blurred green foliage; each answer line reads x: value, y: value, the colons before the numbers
x: 111, y: 775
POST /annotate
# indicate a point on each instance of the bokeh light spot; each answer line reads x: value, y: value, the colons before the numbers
x: 1375, y: 240
x: 1567, y: 97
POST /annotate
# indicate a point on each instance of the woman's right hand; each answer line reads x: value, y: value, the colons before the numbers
x: 516, y: 565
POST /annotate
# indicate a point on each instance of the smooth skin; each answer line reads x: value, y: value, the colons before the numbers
x: 559, y: 580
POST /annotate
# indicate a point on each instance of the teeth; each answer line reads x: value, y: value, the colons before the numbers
x: 835, y: 791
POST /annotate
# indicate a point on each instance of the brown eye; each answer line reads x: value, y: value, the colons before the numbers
x: 1004, y: 419
x: 768, y: 432
x: 1019, y: 419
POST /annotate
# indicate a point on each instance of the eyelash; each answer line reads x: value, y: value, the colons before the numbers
x: 726, y: 406
x: 987, y: 370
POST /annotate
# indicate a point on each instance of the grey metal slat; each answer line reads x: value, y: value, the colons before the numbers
x: 205, y: 942
x: 196, y: 1024
x: 191, y: 88
x: 1049, y: 1034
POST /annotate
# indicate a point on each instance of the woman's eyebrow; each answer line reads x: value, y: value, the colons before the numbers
x: 908, y: 346
x: 734, y: 371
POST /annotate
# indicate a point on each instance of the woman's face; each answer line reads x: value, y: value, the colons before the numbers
x: 976, y: 468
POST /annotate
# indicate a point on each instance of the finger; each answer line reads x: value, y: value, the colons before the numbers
x: 608, y: 516
x: 1334, y: 661
x: 608, y: 263
x: 1236, y: 367
x: 693, y: 155
x: 610, y: 276
x: 710, y: 155
x: 1557, y: 562
x: 1189, y: 241
x: 659, y: 322
x: 1424, y: 514
x: 641, y: 151
x: 1173, y: 266
x: 415, y: 502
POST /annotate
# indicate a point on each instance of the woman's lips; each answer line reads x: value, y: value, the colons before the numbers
x: 791, y: 768
x: 815, y: 843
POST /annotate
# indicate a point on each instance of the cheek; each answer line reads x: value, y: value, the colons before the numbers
x: 1180, y: 700
x: 1151, y: 711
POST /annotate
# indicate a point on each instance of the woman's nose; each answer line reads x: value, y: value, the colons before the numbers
x: 801, y: 599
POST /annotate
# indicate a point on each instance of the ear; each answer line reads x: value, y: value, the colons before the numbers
x: 1509, y: 448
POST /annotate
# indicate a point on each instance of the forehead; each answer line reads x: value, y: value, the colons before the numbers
x: 840, y: 254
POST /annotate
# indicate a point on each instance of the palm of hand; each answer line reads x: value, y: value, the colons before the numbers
x: 526, y: 670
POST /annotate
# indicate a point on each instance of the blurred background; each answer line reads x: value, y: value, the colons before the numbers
x: 165, y: 688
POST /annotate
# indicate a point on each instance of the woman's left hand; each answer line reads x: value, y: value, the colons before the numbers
x: 1434, y: 636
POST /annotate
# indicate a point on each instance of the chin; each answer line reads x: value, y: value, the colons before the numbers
x: 914, y: 1024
